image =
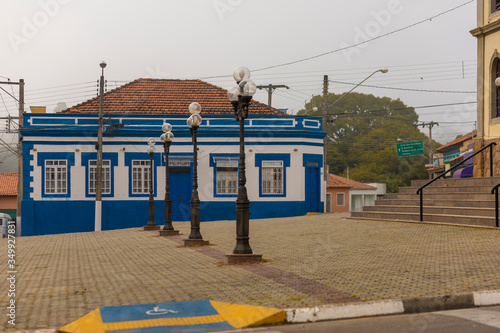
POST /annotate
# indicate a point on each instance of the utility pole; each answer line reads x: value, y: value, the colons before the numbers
x: 98, y: 194
x: 324, y: 114
x: 19, y: 150
x: 270, y: 88
x: 9, y: 128
x: 430, y: 125
x: 20, y: 155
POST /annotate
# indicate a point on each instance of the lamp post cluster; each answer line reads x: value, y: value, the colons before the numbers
x: 240, y: 97
x: 195, y: 238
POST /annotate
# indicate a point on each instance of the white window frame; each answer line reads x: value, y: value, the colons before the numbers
x: 56, y: 177
x: 140, y: 176
x: 106, y: 177
x: 340, y: 195
x: 273, y: 177
x: 226, y: 178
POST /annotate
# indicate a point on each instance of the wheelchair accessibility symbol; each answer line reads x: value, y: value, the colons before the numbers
x: 157, y: 311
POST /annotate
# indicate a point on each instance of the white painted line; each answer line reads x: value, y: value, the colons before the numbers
x: 98, y: 216
x: 484, y: 298
x: 489, y: 318
x: 344, y: 311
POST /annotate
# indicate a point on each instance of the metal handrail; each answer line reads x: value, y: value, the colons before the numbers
x: 419, y: 191
x: 495, y: 190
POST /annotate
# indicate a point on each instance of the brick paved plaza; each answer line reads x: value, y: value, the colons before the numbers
x: 309, y: 261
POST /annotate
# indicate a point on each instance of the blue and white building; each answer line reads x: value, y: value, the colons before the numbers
x: 284, y: 160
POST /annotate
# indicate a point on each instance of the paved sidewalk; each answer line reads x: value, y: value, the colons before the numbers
x: 309, y: 261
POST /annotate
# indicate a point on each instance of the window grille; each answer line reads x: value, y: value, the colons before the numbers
x: 272, y: 177
x: 140, y: 177
x: 227, y: 177
x: 106, y: 176
x: 56, y: 174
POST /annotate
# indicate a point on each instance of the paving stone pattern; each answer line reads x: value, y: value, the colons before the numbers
x: 309, y: 261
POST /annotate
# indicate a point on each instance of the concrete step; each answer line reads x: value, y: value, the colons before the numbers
x: 437, y: 196
x: 433, y: 210
x: 485, y: 181
x: 448, y: 189
x: 440, y: 218
x: 441, y: 202
x: 458, y: 201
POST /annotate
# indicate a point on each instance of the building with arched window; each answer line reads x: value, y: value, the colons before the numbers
x: 488, y: 90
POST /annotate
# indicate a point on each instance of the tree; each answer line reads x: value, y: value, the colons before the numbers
x: 362, y: 134
x: 60, y: 106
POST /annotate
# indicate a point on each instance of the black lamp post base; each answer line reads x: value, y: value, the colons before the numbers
x: 151, y: 227
x: 195, y: 242
x: 235, y: 259
x: 169, y: 232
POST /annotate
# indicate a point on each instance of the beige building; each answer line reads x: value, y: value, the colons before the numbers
x: 488, y: 98
x: 344, y: 195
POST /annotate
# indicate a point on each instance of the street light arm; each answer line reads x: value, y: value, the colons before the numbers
x: 433, y: 154
x: 383, y: 70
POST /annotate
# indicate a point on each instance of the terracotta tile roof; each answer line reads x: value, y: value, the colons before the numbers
x: 438, y: 169
x: 337, y: 181
x: 8, y: 184
x: 458, y: 141
x: 166, y: 96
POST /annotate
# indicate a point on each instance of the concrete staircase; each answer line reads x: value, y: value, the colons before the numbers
x: 458, y: 201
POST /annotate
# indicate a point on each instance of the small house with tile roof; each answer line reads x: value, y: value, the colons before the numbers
x: 457, y: 147
x: 456, y: 151
x: 346, y: 195
x: 8, y: 193
x: 284, y: 160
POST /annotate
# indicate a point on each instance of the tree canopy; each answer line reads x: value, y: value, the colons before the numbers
x: 362, y: 134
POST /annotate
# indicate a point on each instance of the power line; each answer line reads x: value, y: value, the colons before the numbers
x: 409, y: 89
x: 66, y: 85
x: 411, y: 107
x: 366, y: 41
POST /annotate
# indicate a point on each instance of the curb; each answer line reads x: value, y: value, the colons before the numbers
x: 377, y: 308
x: 390, y: 307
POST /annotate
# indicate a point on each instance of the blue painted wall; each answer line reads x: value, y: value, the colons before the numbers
x: 50, y: 215
x: 78, y: 216
x: 57, y: 217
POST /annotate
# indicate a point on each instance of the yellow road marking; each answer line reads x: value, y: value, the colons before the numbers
x: 163, y: 322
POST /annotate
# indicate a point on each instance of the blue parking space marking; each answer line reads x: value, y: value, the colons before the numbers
x: 157, y: 310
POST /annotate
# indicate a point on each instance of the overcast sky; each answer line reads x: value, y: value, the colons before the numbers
x: 56, y: 47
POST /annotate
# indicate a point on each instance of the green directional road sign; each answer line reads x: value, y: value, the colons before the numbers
x: 410, y: 148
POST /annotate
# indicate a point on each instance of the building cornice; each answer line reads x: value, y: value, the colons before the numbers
x: 487, y: 29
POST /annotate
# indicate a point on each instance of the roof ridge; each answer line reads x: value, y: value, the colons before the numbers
x: 166, y: 96
x: 346, y: 181
x: 97, y: 97
x: 459, y: 140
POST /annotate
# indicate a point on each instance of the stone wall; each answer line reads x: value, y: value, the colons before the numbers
x: 482, y: 161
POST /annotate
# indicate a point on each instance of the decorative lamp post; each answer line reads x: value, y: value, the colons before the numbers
x: 194, y: 122
x: 166, y: 138
x: 151, y: 204
x: 240, y: 97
